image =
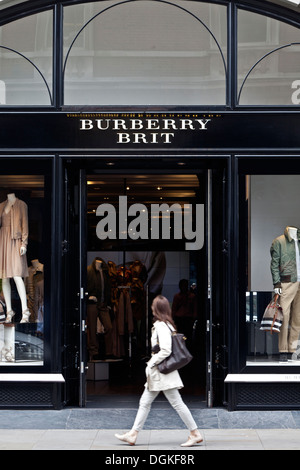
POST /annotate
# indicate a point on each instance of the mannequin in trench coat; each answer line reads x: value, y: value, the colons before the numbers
x: 156, y: 382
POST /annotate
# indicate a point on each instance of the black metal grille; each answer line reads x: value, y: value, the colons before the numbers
x: 26, y: 395
x: 269, y: 395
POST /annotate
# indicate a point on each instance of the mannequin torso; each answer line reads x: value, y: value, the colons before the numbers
x: 11, y: 199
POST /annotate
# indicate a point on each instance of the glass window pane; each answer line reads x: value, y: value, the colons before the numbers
x: 268, y: 66
x: 135, y: 53
x: 270, y: 212
x: 22, y: 269
x: 26, y: 61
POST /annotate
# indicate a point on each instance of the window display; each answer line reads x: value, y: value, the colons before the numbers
x: 21, y: 273
x: 273, y: 267
x: 285, y: 268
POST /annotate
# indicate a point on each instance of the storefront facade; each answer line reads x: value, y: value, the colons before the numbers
x: 106, y: 119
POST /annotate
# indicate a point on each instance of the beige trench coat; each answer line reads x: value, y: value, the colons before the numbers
x: 156, y: 381
x: 19, y: 220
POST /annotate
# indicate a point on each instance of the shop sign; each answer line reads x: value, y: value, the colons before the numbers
x: 145, y: 129
x: 229, y: 131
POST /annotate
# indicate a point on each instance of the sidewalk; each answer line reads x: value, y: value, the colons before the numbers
x: 94, y: 429
x: 149, y: 440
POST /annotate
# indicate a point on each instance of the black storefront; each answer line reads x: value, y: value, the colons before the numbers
x: 84, y: 130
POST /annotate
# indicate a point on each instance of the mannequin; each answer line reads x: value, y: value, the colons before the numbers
x: 13, y: 248
x: 99, y: 305
x: 34, y: 287
x: 285, y: 269
x: 37, y: 265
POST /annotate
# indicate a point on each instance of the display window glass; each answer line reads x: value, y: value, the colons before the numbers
x: 271, y: 263
x: 24, y: 243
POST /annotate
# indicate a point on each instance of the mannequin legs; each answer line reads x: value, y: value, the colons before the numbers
x: 7, y: 293
x: 22, y: 294
x: 290, y: 303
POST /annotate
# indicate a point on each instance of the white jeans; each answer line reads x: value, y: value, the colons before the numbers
x: 174, y: 398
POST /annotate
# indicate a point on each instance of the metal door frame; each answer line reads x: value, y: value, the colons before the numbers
x: 209, y: 317
x: 82, y: 284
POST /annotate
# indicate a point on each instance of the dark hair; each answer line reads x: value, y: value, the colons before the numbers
x: 162, y: 310
x: 184, y: 285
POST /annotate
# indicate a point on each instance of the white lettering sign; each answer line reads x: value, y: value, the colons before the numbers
x: 133, y: 131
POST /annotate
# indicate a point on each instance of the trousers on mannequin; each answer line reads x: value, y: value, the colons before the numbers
x: 285, y: 267
x: 288, y: 337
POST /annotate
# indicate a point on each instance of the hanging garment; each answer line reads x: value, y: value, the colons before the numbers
x: 124, y: 317
x: 34, y: 277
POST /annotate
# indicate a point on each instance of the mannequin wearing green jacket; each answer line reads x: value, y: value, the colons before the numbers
x: 285, y: 269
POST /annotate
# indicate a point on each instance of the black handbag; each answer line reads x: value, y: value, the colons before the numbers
x: 179, y: 357
x: 273, y: 316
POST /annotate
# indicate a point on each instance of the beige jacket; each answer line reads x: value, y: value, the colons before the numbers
x: 19, y: 220
x: 156, y: 381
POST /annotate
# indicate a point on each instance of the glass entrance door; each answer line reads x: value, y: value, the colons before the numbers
x: 134, y: 235
x: 147, y: 233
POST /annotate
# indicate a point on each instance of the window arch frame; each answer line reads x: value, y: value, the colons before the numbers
x: 285, y: 14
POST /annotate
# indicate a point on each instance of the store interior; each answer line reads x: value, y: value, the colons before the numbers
x: 136, y: 270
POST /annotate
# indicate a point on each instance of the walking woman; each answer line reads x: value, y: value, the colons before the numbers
x: 169, y: 384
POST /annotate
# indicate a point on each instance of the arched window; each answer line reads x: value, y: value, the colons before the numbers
x: 149, y: 53
x: 145, y: 53
x: 26, y: 61
x: 268, y: 61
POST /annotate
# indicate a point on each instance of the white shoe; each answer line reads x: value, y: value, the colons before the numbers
x: 192, y: 440
x: 126, y: 438
x: 9, y: 316
x: 25, y: 316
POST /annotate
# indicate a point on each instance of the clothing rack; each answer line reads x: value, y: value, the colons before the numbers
x: 129, y: 334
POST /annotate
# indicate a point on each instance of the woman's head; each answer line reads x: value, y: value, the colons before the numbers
x: 161, y: 309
